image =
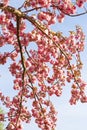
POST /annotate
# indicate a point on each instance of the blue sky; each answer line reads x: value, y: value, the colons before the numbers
x: 69, y: 117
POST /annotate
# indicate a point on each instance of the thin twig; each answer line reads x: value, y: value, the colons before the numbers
x: 29, y: 10
x: 63, y: 11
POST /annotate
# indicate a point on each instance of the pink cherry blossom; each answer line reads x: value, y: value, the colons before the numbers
x: 40, y: 60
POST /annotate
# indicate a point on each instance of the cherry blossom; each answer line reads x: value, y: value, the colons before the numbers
x: 42, y: 61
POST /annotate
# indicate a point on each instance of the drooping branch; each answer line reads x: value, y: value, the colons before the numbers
x: 24, y: 69
x: 22, y: 63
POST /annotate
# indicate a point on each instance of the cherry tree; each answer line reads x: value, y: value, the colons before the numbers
x: 43, y: 72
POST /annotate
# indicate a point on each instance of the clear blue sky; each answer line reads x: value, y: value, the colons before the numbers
x: 69, y: 117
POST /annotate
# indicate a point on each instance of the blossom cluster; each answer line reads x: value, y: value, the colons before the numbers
x: 63, y: 7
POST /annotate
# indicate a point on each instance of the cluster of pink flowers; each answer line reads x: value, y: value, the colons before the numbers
x: 45, y: 117
x: 64, y: 6
x: 41, y: 72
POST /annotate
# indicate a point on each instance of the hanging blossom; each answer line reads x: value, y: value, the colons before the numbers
x: 41, y: 72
